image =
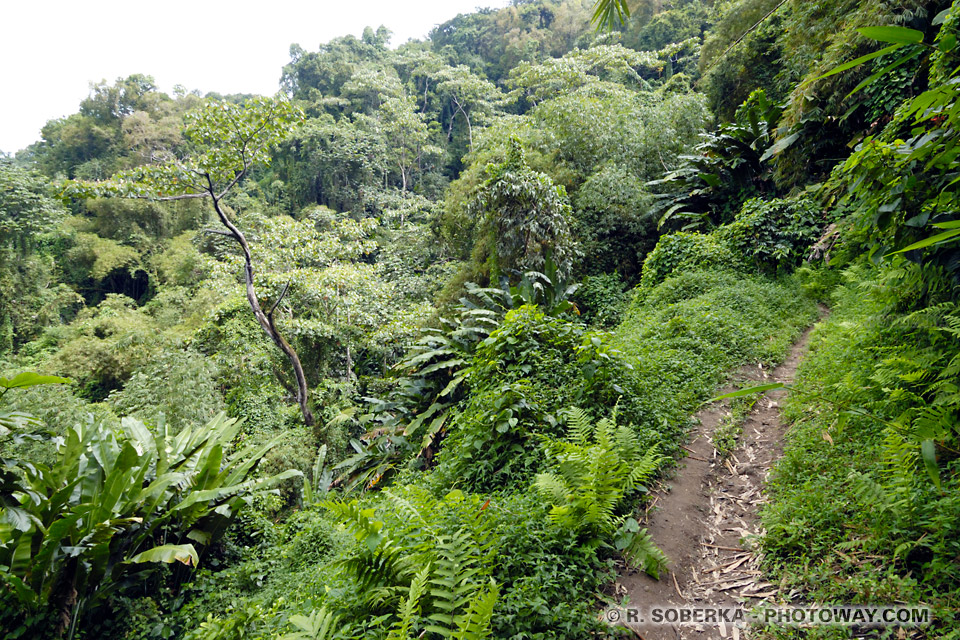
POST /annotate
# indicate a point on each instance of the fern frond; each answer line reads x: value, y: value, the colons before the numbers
x: 358, y: 521
x: 410, y: 608
x: 643, y: 469
x: 386, y: 566
x: 579, y: 425
x: 553, y: 488
x: 454, y: 583
x: 475, y: 623
x: 319, y: 625
x: 642, y: 553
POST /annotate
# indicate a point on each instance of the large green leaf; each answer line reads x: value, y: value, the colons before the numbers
x: 896, y: 35
x: 31, y: 379
x: 168, y: 553
x: 749, y: 391
x: 940, y: 238
x: 856, y: 62
x: 928, y: 451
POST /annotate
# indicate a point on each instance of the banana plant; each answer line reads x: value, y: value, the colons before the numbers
x: 728, y: 167
x: 115, y: 504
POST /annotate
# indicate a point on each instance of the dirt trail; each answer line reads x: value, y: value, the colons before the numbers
x: 705, y: 518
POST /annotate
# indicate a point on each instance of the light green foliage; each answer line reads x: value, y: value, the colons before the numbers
x: 592, y: 472
x: 154, y: 393
x: 99, y: 257
x: 319, y: 625
x: 774, y: 235
x: 581, y: 67
x: 602, y: 139
x: 228, y: 138
x: 492, y: 43
x: 678, y: 22
x: 686, y: 251
x: 27, y: 209
x: 682, y: 335
x: 181, y: 262
x: 104, y: 345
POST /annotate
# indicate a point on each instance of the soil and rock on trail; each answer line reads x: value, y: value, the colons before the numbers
x: 705, y: 517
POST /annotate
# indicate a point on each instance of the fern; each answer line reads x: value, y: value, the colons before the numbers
x: 319, y: 625
x: 579, y: 425
x: 464, y: 607
x: 410, y: 608
x: 475, y: 624
x: 358, y: 521
x: 639, y: 551
x: 592, y: 472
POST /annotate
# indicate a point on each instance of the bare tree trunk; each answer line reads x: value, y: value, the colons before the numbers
x: 349, y: 364
x: 266, y: 319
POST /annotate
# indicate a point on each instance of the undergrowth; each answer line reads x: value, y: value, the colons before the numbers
x: 855, y: 517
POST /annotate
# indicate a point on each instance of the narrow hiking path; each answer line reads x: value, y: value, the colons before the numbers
x: 705, y: 517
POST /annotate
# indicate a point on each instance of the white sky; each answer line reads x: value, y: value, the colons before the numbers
x: 52, y: 50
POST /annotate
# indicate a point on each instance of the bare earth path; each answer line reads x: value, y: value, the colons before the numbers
x: 706, y: 517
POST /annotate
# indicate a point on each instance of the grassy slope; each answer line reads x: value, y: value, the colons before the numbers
x: 854, y: 517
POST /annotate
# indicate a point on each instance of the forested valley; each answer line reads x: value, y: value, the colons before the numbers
x: 406, y: 350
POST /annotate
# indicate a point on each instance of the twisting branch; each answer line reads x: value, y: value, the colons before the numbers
x: 265, y: 320
x: 279, y: 299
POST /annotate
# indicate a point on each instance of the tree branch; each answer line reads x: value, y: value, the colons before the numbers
x: 266, y: 321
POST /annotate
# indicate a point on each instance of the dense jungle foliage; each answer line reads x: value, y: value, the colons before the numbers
x: 399, y: 351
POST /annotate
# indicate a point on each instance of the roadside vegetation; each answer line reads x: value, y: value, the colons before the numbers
x: 401, y: 351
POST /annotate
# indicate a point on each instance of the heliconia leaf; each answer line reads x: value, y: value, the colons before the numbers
x: 856, y: 62
x: 953, y: 224
x: 168, y: 553
x: 932, y: 240
x: 883, y: 72
x: 20, y: 519
x: 896, y: 35
x: 748, y: 391
x: 779, y: 147
x: 30, y: 379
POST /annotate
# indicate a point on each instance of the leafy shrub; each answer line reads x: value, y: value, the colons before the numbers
x: 725, y: 170
x: 104, y: 346
x: 590, y: 475
x: 521, y: 373
x: 602, y: 299
x: 685, y: 251
x: 773, y: 234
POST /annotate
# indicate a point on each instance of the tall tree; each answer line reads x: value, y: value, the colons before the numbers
x: 229, y: 139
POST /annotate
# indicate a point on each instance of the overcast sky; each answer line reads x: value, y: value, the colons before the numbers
x: 53, y: 50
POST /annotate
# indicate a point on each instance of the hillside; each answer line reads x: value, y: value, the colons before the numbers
x: 415, y: 347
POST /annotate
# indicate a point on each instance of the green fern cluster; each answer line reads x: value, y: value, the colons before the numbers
x: 450, y: 594
x: 593, y: 470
